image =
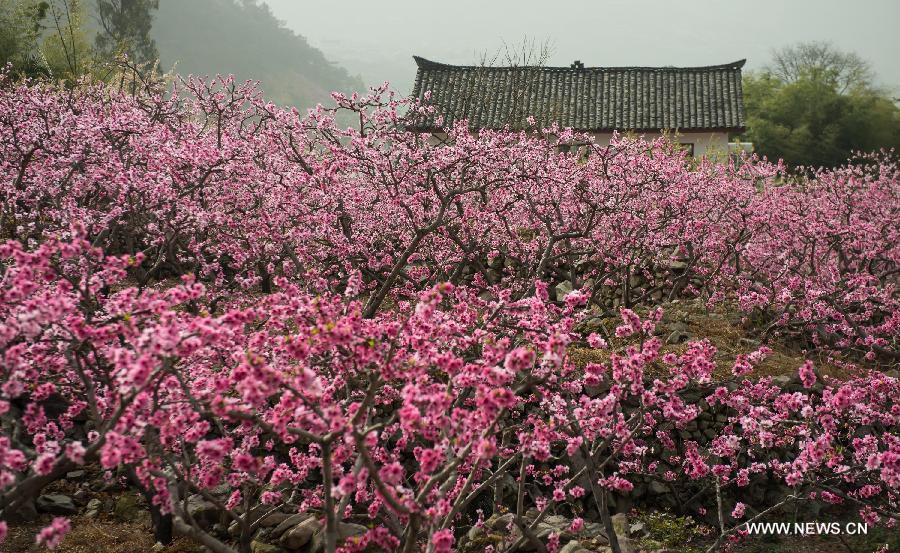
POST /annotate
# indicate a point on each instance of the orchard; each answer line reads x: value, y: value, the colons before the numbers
x: 367, y: 334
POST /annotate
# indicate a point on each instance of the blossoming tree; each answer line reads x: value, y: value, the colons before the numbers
x: 220, y: 298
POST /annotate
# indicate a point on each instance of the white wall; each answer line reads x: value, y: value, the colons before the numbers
x: 708, y: 144
x: 705, y: 143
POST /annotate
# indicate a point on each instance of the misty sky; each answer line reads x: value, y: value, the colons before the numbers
x: 377, y: 43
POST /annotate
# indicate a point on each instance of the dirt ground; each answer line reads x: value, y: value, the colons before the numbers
x: 95, y: 536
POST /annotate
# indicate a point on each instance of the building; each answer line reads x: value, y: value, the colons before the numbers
x: 697, y: 106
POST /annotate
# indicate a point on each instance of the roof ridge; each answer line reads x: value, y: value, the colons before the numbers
x: 423, y: 63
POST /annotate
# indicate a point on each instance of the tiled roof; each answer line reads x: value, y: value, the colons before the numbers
x: 585, y: 98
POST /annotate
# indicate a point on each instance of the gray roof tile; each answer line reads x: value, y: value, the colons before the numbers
x: 586, y: 98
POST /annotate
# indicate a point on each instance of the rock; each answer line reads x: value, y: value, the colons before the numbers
x: 204, y: 512
x: 127, y: 508
x: 620, y: 524
x: 562, y: 289
x: 544, y: 530
x: 289, y: 523
x: 678, y: 337
x: 257, y: 546
x: 80, y: 496
x: 593, y: 324
x: 75, y: 475
x: 220, y: 530
x: 628, y: 545
x: 505, y: 487
x: 573, y: 547
x: 500, y: 523
x: 595, y: 531
x: 658, y: 487
x: 781, y: 380
x: 638, y: 529
x: 26, y: 512
x: 558, y: 521
x: 622, y: 503
x: 578, y: 462
x: 475, y: 532
x: 497, y: 525
x: 345, y: 531
x: 56, y: 504
x: 300, y: 534
x: 692, y: 396
x: 274, y: 519
x: 101, y: 485
x: 221, y: 490
x: 92, y: 510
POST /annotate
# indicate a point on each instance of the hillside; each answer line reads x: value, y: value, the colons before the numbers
x: 207, y: 37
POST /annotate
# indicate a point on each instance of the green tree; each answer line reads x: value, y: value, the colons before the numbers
x: 821, y: 61
x: 816, y: 106
x: 66, y: 47
x: 20, y: 30
x: 125, y: 27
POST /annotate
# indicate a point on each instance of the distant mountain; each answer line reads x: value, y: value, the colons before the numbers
x: 243, y: 37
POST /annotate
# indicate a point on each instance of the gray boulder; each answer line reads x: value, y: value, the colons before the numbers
x: 56, y: 504
x: 345, y: 531
x: 501, y: 522
x: 562, y: 289
x: 593, y: 530
x: 126, y: 508
x: 620, y: 525
x: 257, y: 546
x: 274, y: 519
x: 92, y: 510
x: 628, y: 545
x: 204, y: 512
x: 26, y: 512
x: 678, y: 335
x: 300, y: 534
x: 289, y: 523
x: 573, y: 547
x: 638, y: 529
x: 658, y: 488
